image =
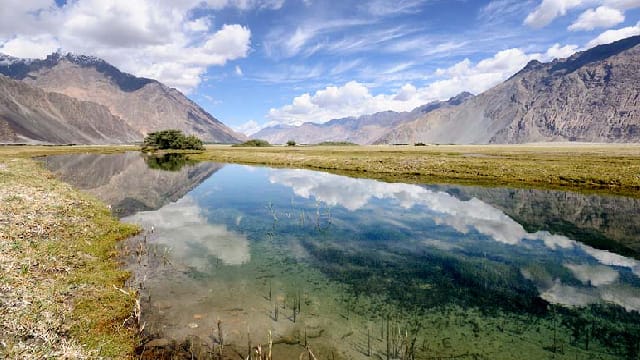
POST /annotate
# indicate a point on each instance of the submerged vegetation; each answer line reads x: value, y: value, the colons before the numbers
x: 171, y: 140
x: 62, y: 287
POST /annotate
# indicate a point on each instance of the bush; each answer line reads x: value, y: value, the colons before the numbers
x: 291, y: 143
x: 336, y: 143
x: 254, y: 143
x: 420, y: 144
x: 171, y: 140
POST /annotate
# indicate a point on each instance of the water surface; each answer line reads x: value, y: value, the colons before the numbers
x: 358, y: 268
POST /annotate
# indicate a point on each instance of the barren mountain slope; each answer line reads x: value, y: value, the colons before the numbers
x: 592, y: 96
x: 31, y: 115
x: 146, y: 105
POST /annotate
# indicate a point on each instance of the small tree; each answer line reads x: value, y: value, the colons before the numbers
x: 291, y: 143
x: 171, y: 140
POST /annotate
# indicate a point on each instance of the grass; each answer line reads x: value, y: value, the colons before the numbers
x: 59, y: 277
x: 613, y: 169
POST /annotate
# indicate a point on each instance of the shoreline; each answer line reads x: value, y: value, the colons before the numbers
x: 61, y: 284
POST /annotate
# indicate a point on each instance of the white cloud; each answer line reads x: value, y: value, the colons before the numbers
x: 245, y: 4
x: 154, y: 39
x: 608, y: 13
x: 238, y: 70
x: 601, y: 17
x: 30, y: 46
x: 548, y: 10
x: 560, y: 52
x: 249, y: 128
x: 610, y: 36
x: 355, y: 99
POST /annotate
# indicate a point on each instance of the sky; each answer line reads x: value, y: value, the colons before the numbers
x: 257, y: 63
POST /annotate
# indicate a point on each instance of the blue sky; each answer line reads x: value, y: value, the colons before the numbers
x: 256, y: 62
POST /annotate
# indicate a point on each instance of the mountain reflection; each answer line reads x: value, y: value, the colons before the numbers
x: 125, y: 182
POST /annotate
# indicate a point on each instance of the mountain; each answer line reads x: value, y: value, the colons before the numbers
x: 29, y: 114
x: 146, y: 105
x: 592, y: 96
x: 360, y: 130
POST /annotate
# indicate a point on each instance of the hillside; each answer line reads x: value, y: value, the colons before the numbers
x: 31, y: 115
x: 592, y: 96
x: 360, y: 130
x: 145, y: 105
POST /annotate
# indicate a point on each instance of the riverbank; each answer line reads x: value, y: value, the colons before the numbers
x: 601, y: 168
x: 61, y: 286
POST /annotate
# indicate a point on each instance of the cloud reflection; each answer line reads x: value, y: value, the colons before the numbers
x: 183, y: 227
x: 463, y: 216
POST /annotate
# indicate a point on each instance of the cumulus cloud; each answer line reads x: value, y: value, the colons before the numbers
x: 248, y: 128
x: 355, y: 98
x: 601, y: 17
x: 608, y: 13
x: 153, y: 39
x: 548, y: 10
x: 610, y: 36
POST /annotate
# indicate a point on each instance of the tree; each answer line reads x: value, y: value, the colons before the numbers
x: 171, y: 140
x: 291, y: 143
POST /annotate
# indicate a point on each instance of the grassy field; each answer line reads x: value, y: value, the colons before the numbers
x: 60, y: 279
x: 579, y: 167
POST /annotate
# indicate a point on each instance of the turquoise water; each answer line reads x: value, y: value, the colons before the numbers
x: 357, y: 268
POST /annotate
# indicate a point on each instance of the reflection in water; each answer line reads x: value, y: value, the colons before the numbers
x: 168, y: 162
x: 124, y: 180
x: 356, y: 267
x: 192, y: 239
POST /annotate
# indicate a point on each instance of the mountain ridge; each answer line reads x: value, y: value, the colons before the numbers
x: 144, y: 104
x: 362, y: 129
x: 591, y: 96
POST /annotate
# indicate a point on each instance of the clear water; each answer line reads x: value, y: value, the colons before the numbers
x: 360, y: 269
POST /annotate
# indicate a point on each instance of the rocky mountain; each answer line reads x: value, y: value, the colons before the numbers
x: 592, y: 96
x: 360, y: 130
x: 29, y: 114
x: 146, y: 105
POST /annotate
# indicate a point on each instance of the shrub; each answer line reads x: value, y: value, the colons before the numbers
x: 336, y: 143
x: 291, y: 143
x: 171, y: 140
x: 254, y: 143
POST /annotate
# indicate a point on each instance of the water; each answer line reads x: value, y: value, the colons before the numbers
x: 360, y: 269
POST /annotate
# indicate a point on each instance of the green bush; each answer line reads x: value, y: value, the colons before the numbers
x: 291, y: 143
x: 336, y: 143
x: 171, y: 140
x: 254, y: 143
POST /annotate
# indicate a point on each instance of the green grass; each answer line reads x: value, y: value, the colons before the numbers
x: 62, y: 244
x: 613, y: 169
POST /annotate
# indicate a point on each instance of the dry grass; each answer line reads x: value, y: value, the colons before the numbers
x: 605, y: 168
x: 58, y: 270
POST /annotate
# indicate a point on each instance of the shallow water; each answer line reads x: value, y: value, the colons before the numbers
x: 358, y: 268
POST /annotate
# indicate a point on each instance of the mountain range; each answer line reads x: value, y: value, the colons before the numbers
x: 364, y: 129
x: 84, y: 99
x: 592, y: 96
